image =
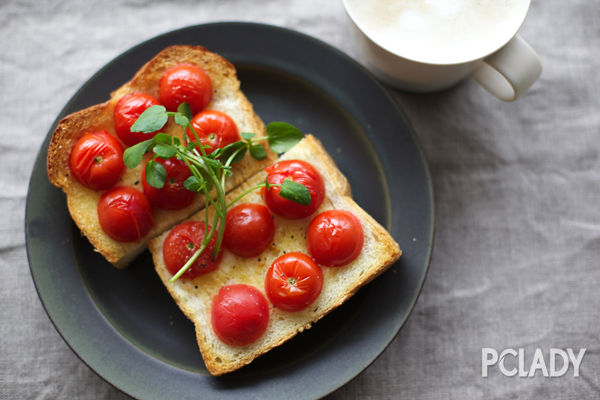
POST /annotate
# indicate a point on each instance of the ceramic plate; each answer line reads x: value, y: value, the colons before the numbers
x: 125, y: 326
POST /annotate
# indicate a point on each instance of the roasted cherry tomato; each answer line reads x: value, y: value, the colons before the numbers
x: 300, y: 172
x: 215, y: 130
x: 335, y: 238
x: 96, y: 160
x: 185, y: 83
x: 293, y: 281
x: 249, y: 229
x: 240, y: 314
x: 182, y: 242
x: 172, y: 196
x: 127, y: 110
x: 125, y: 214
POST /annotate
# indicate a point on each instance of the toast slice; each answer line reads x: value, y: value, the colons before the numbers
x: 194, y: 297
x: 82, y: 202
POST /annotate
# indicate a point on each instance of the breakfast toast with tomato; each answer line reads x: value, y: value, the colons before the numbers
x: 119, y: 209
x: 279, y: 244
x: 285, y: 261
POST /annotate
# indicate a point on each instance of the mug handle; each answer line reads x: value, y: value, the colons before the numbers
x: 510, y: 71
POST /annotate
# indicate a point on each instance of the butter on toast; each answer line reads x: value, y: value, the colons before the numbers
x: 82, y: 202
x: 195, y: 296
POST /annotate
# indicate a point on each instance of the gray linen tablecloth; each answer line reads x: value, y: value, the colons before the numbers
x: 515, y: 262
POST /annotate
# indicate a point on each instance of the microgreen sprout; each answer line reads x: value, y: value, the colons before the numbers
x: 209, y: 171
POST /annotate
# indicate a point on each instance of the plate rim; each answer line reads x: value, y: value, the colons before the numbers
x: 253, y: 25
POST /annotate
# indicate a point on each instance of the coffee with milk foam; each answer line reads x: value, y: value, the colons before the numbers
x: 439, y: 31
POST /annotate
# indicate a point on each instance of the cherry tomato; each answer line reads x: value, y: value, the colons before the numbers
x: 185, y: 83
x: 214, y: 128
x: 182, y: 242
x: 249, y: 229
x: 96, y: 160
x: 293, y: 281
x: 240, y: 314
x: 127, y: 110
x: 172, y: 196
x: 125, y: 214
x: 335, y: 238
x: 300, y: 172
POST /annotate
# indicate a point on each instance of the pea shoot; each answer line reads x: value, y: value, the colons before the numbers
x: 209, y: 170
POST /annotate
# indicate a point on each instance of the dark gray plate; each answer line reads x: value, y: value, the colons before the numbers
x: 124, y: 325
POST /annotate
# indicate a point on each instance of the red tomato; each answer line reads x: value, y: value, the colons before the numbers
x: 214, y: 128
x: 96, y: 160
x: 249, y: 229
x: 182, y: 242
x: 240, y: 314
x: 335, y: 238
x: 293, y: 281
x: 300, y: 172
x: 172, y: 196
x: 185, y: 83
x: 125, y: 214
x: 127, y: 110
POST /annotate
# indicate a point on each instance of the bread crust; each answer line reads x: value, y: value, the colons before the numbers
x: 82, y: 202
x: 194, y: 297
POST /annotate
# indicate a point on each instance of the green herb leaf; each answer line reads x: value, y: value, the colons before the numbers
x: 181, y: 120
x: 163, y: 138
x: 258, y: 151
x: 193, y: 184
x: 237, y: 148
x: 282, y: 136
x: 134, y: 154
x: 295, y: 192
x: 185, y: 110
x: 247, y: 135
x: 155, y: 174
x: 151, y: 120
x: 164, y: 151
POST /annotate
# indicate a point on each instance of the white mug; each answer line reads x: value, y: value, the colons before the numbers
x: 396, y: 42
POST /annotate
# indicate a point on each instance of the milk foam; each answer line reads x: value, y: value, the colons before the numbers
x: 439, y: 31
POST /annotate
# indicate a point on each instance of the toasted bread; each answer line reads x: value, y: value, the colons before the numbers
x: 195, y: 296
x: 82, y: 202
